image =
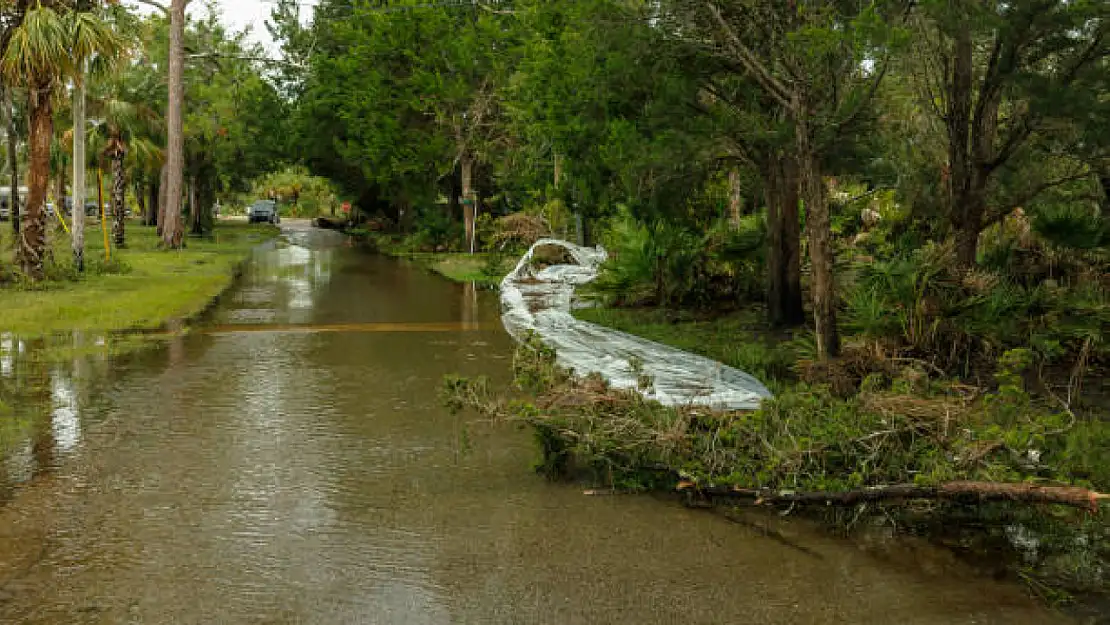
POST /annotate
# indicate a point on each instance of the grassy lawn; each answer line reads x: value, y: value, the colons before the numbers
x: 144, y: 287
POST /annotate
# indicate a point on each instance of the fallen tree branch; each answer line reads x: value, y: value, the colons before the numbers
x: 964, y: 491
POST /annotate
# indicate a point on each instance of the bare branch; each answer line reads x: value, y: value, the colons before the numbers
x: 750, y: 62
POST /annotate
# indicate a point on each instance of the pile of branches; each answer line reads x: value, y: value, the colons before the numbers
x: 805, y: 447
x: 519, y: 230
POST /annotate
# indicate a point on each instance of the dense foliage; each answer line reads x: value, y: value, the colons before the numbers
x: 702, y: 140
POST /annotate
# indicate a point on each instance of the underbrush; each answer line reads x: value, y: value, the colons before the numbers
x: 905, y: 432
x: 922, y: 305
x: 662, y: 264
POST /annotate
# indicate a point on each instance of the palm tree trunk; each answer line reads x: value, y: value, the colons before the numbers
x: 119, y: 189
x: 172, y: 232
x: 32, y: 245
x: 79, y: 183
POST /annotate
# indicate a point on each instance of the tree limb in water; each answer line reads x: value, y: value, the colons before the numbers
x: 963, y: 491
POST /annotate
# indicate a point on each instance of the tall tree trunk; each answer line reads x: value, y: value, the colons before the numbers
x: 971, y: 134
x: 820, y: 242
x: 13, y: 157
x: 32, y: 245
x: 470, y: 205
x: 80, y: 185
x: 784, y: 263
x: 172, y: 231
x: 119, y: 188
x: 735, y: 198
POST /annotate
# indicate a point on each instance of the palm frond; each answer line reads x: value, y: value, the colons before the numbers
x: 37, y: 50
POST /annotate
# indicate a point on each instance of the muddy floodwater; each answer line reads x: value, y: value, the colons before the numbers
x: 289, y: 463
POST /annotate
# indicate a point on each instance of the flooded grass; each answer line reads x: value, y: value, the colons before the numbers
x: 143, y: 287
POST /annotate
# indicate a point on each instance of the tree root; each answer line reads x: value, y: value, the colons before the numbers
x: 963, y: 491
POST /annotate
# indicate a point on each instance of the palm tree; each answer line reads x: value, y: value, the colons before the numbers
x: 48, y: 46
x: 122, y: 121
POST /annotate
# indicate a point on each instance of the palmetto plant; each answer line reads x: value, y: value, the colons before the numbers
x: 52, y: 43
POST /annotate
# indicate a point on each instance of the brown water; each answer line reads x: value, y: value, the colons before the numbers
x: 292, y: 465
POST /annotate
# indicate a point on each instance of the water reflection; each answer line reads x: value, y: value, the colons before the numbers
x: 19, y: 462
x: 9, y: 349
x: 65, y: 421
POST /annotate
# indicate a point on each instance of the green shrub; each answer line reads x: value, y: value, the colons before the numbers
x: 670, y: 265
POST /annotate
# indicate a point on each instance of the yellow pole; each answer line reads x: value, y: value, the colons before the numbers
x: 103, y: 221
x: 58, y: 214
x: 62, y: 220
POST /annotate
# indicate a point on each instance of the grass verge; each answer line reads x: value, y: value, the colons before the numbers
x: 482, y: 268
x: 143, y: 287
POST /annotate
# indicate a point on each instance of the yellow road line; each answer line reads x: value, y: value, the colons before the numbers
x: 449, y: 326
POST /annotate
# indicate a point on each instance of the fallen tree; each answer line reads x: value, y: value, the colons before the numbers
x: 803, y: 448
x: 959, y: 491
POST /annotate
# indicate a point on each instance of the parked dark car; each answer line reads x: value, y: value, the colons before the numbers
x: 92, y: 209
x: 263, y: 211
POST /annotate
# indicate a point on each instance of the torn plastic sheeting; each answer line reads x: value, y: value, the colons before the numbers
x: 541, y: 301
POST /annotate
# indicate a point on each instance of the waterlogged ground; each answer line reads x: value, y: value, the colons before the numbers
x: 290, y: 464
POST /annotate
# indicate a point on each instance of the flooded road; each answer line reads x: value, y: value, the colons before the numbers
x: 291, y: 464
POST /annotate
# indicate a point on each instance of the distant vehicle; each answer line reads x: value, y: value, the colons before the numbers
x: 6, y: 212
x: 92, y: 209
x: 263, y: 211
x: 5, y: 201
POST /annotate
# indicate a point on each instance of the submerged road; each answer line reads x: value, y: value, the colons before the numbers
x: 291, y: 464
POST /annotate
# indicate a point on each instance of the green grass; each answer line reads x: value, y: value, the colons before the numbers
x: 144, y: 287
x: 466, y: 267
x: 481, y: 268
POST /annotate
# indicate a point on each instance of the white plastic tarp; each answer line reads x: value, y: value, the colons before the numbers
x: 541, y: 301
